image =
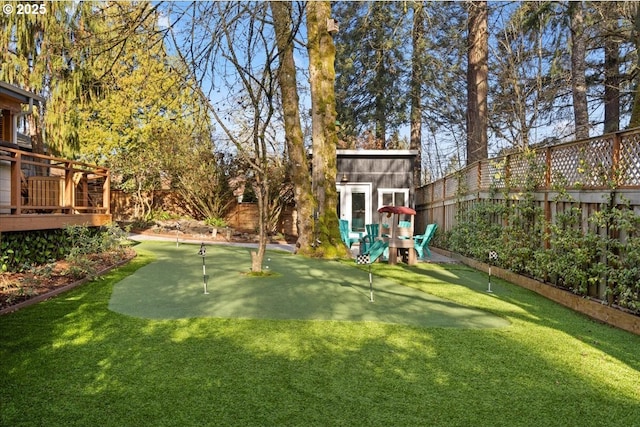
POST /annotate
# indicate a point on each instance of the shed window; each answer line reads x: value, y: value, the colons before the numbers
x: 393, y: 196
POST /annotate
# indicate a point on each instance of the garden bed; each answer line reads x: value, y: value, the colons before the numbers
x: 18, y: 289
x: 192, y: 229
x: 593, y: 308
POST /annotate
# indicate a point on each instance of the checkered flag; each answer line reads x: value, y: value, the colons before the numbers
x: 363, y: 259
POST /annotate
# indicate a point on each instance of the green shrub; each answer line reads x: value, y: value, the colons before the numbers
x: 603, y: 260
x: 21, y: 250
x: 215, y: 222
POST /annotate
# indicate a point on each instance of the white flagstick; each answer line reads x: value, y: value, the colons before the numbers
x: 202, y: 253
x: 493, y: 256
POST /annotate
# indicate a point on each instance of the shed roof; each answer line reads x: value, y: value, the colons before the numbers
x: 376, y: 153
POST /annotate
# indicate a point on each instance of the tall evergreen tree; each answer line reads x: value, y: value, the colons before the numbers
x: 371, y: 69
x: 578, y: 69
x: 477, y: 81
x: 417, y: 78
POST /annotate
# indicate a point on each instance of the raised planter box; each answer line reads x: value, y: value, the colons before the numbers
x: 594, y: 309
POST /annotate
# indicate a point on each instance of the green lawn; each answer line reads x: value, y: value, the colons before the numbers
x: 72, y: 361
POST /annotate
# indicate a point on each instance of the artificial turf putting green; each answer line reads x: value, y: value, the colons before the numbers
x: 300, y: 289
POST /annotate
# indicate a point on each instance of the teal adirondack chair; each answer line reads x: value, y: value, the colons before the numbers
x: 421, y: 241
x: 376, y: 250
x: 368, y: 239
x: 345, y: 234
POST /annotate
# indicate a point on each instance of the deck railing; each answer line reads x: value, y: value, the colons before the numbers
x: 36, y: 186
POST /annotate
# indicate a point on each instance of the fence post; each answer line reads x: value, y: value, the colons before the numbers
x: 444, y: 208
x: 615, y: 160
x: 106, y: 192
x: 69, y: 189
x: 547, y: 203
x: 16, y: 182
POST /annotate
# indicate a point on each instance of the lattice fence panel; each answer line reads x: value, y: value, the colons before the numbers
x: 541, y: 162
x: 485, y: 175
x: 451, y: 184
x: 596, y: 162
x: 518, y: 170
x: 629, y: 163
x: 437, y: 189
x: 428, y: 193
x: 564, y: 166
x: 471, y: 178
x: 497, y: 174
x: 582, y: 165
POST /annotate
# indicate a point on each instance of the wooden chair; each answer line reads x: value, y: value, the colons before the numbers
x: 421, y: 241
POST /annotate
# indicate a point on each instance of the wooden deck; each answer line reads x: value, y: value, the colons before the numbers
x: 39, y: 192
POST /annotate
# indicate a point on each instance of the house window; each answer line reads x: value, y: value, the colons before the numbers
x: 393, y: 196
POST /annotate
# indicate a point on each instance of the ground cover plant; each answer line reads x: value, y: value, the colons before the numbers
x: 36, y: 263
x: 71, y: 361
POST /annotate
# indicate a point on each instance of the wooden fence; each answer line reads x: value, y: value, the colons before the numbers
x: 240, y: 216
x: 578, y: 174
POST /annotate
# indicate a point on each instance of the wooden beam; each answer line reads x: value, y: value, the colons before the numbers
x: 30, y: 222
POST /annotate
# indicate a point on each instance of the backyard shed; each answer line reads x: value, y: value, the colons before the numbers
x: 369, y: 179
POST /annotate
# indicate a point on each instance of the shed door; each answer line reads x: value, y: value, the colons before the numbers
x: 355, y: 205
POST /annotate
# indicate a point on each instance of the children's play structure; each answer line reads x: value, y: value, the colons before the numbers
x: 395, y: 228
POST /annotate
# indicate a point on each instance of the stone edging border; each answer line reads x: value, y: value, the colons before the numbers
x: 594, y: 309
x: 61, y: 289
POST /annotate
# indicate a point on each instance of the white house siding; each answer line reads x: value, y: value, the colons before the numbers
x: 5, y: 186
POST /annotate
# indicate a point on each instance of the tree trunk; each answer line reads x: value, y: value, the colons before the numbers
x: 324, y: 133
x: 262, y: 190
x: 578, y: 68
x: 611, y: 72
x: 477, y: 85
x: 298, y: 163
x: 611, y: 82
x: 415, y: 142
x: 634, y: 121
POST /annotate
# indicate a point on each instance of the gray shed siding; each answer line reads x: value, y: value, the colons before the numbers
x: 381, y: 168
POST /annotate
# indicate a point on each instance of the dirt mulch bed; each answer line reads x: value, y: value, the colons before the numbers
x: 18, y: 290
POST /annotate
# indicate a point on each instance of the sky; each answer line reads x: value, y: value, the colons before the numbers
x: 446, y: 144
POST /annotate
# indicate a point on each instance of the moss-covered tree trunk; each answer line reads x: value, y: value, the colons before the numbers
x: 298, y: 164
x: 322, y: 54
